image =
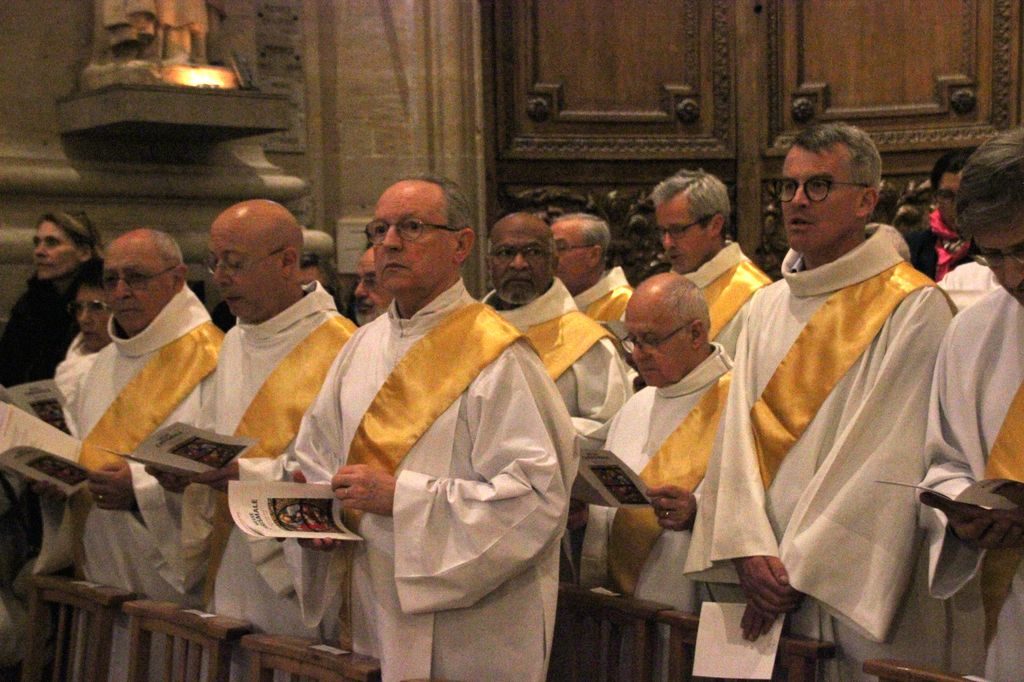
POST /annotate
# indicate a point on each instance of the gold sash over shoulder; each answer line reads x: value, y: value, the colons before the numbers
x: 275, y: 413
x: 825, y: 350
x: 681, y: 460
x: 727, y: 294
x: 1006, y: 460
x: 426, y: 381
x: 146, y: 401
x: 611, y: 306
x: 562, y: 341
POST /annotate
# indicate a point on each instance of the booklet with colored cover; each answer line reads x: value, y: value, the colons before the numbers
x: 37, y: 451
x: 39, y: 398
x: 184, y: 450
x: 278, y: 509
x: 605, y: 480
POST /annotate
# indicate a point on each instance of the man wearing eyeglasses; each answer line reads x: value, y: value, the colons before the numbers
x: 826, y: 400
x: 977, y: 409
x: 577, y: 352
x: 665, y: 433
x: 271, y: 367
x: 692, y: 212
x: 444, y: 438
x: 582, y: 240
x: 125, y: 528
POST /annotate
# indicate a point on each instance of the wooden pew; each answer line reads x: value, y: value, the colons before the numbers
x: 889, y: 670
x: 84, y: 611
x: 297, y: 656
x: 195, y: 646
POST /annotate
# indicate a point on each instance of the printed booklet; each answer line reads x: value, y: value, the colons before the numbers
x: 37, y: 451
x: 184, y: 450
x: 39, y: 398
x: 606, y: 481
x: 990, y: 493
x: 287, y: 510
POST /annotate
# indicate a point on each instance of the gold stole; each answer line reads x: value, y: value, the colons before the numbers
x: 681, y: 460
x: 825, y: 350
x: 730, y: 290
x: 274, y: 415
x: 1006, y: 460
x: 562, y: 341
x: 611, y: 306
x: 142, y: 406
x: 425, y: 382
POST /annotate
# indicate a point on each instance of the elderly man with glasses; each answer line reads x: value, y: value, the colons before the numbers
x: 692, y: 212
x: 444, y: 438
x: 124, y: 527
x: 578, y: 353
x: 665, y: 433
x: 271, y: 367
x: 829, y: 396
x: 977, y: 409
x: 582, y: 240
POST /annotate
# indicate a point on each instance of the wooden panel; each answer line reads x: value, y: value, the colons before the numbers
x: 914, y: 74
x: 613, y: 79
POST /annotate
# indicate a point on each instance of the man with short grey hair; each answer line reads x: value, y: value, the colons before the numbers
x: 582, y: 240
x: 692, y: 211
x: 977, y: 407
x: 828, y: 398
x: 577, y: 352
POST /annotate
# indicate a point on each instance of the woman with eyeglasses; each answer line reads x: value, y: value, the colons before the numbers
x: 41, y: 328
x: 91, y: 312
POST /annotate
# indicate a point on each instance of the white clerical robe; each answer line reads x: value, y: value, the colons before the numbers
x: 729, y: 257
x: 76, y: 363
x: 969, y: 283
x: 979, y: 370
x: 635, y: 436
x: 611, y: 279
x: 466, y: 587
x: 254, y: 582
x: 850, y: 544
x: 597, y: 384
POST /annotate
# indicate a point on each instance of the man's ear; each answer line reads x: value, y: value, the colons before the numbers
x: 868, y: 200
x: 716, y: 225
x: 464, y: 240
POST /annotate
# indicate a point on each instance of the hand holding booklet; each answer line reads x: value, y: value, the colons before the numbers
x: 184, y: 450
x: 605, y: 480
x: 287, y: 510
x: 985, y: 495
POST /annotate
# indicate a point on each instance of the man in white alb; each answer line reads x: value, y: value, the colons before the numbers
x: 439, y: 427
x: 692, y: 212
x: 577, y: 352
x: 271, y: 367
x: 582, y: 240
x: 826, y: 400
x: 977, y: 409
x: 664, y: 433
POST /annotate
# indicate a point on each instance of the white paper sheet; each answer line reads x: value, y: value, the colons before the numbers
x: 722, y: 651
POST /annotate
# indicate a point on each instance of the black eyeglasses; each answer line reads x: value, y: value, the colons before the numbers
x: 531, y: 252
x: 233, y: 264
x: 76, y: 308
x: 132, y: 280
x: 676, y: 231
x: 943, y: 194
x: 815, y: 189
x: 649, y: 341
x: 409, y: 229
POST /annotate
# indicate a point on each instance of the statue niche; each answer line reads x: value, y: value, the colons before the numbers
x: 151, y: 42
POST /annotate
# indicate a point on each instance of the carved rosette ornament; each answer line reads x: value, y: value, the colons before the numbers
x: 962, y: 100
x: 538, y: 109
x: 688, y: 110
x: 803, y: 109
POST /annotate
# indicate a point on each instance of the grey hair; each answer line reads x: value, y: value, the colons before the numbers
x: 705, y: 192
x: 595, y: 230
x: 458, y: 212
x: 865, y: 161
x: 685, y: 298
x: 991, y: 194
x: 166, y: 246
